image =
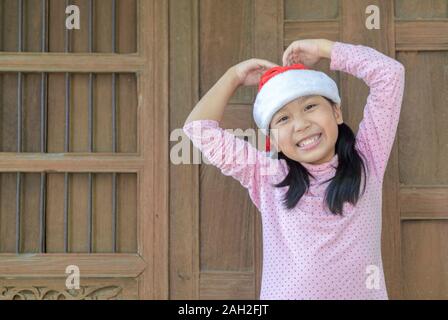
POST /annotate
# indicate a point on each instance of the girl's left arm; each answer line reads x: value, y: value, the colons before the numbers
x: 386, y: 79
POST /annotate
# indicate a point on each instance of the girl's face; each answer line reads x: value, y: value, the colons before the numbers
x: 302, y: 118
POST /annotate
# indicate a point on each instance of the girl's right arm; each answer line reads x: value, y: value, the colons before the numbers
x: 233, y: 156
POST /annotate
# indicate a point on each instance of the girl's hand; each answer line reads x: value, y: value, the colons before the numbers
x: 307, y: 52
x: 249, y: 71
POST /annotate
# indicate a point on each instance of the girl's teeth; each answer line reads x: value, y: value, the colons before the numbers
x: 309, y: 141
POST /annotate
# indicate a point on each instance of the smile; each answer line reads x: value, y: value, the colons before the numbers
x: 312, y: 144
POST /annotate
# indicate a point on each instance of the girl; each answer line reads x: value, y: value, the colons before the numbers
x: 321, y: 236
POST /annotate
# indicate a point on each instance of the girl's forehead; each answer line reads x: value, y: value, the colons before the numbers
x: 295, y: 102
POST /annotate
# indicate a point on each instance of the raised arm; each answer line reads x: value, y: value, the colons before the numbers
x: 232, y: 155
x: 385, y: 78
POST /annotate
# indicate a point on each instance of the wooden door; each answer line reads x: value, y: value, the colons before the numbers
x: 215, y: 230
x: 82, y: 169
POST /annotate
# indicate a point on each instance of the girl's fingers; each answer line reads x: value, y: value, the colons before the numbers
x: 264, y: 64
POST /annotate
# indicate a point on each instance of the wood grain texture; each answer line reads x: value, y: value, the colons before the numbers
x: 310, y: 10
x: 424, y: 201
x: 422, y: 132
x: 184, y: 180
x: 416, y: 9
x: 425, y: 259
x: 51, y: 265
x: 421, y: 35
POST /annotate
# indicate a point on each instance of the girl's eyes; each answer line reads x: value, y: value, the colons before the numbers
x: 310, y: 105
x: 281, y: 119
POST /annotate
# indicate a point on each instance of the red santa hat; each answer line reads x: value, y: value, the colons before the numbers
x: 280, y: 85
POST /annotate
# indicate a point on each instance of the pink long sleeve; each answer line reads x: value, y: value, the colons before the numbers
x: 385, y: 78
x: 234, y: 156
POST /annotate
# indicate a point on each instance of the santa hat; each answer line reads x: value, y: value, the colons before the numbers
x: 280, y: 85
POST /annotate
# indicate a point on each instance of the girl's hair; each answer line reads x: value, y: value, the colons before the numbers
x: 344, y: 186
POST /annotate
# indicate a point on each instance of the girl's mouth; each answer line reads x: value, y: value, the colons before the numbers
x: 311, y: 145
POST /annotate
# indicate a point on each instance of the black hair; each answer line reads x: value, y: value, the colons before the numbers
x: 344, y: 186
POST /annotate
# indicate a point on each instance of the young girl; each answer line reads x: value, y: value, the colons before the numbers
x: 321, y: 235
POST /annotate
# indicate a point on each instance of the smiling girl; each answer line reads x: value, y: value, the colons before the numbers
x: 321, y: 234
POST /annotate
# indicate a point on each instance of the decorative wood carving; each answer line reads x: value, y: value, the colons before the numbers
x: 46, y: 293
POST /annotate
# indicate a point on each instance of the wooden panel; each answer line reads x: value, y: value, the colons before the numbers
x: 126, y: 116
x: 424, y: 202
x: 184, y: 180
x: 103, y: 238
x: 55, y: 214
x: 153, y: 219
x: 53, y: 265
x: 417, y: 9
x: 126, y: 26
x: 425, y: 259
x: 310, y: 30
x: 78, y: 213
x: 31, y: 122
x: 423, y: 138
x: 75, y: 162
x: 9, y: 26
x: 95, y: 62
x: 103, y: 112
x: 126, y: 22
x: 127, y: 113
x: 8, y: 115
x: 79, y: 114
x: 127, y: 206
x: 421, y: 35
x: 227, y: 285
x: 56, y: 112
x: 226, y: 234
x: 226, y: 39
x: 306, y: 10
x: 30, y: 192
x: 56, y: 30
x: 8, y: 212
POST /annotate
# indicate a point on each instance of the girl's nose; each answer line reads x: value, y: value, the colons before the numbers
x: 300, y: 124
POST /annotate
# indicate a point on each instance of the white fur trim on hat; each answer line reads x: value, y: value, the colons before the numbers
x: 287, y: 86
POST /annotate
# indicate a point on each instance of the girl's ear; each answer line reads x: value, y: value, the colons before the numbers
x: 338, y: 113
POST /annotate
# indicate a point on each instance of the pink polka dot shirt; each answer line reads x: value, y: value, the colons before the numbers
x: 308, y: 252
